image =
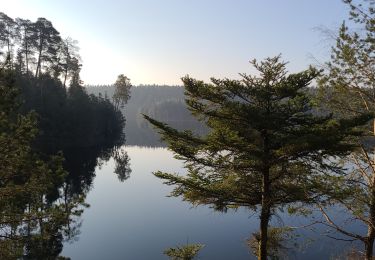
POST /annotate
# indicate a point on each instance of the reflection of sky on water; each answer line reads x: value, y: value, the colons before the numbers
x: 135, y: 219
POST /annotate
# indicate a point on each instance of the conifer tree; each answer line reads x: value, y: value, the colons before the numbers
x: 8, y: 33
x: 47, y: 43
x: 27, y: 39
x: 185, y: 252
x: 29, y: 222
x: 265, y: 146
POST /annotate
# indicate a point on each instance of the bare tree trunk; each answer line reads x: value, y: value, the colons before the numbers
x: 38, y: 65
x: 26, y: 54
x: 65, y: 77
x: 37, y: 72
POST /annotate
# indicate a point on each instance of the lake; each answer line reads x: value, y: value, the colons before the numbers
x: 135, y: 220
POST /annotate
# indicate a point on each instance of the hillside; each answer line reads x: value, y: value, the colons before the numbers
x: 165, y: 103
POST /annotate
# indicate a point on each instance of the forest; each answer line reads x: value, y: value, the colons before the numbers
x: 270, y: 143
x: 52, y: 135
x: 166, y: 103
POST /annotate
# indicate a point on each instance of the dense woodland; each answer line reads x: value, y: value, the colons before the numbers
x: 47, y: 68
x: 267, y: 142
x: 53, y: 134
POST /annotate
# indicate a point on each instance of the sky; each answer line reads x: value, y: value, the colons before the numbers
x: 160, y: 41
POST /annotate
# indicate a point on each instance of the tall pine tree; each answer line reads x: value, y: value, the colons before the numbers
x: 265, y: 145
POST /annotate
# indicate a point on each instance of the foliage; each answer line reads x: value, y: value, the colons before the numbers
x: 122, y: 167
x: 68, y: 117
x: 281, y: 241
x: 348, y: 89
x: 42, y: 195
x: 265, y: 145
x: 186, y: 252
x: 351, y: 69
x: 29, y: 222
x: 122, y: 91
x: 163, y: 103
x: 36, y: 48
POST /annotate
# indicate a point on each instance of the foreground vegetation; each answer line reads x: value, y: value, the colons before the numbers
x: 51, y: 136
x: 269, y: 147
x: 266, y: 149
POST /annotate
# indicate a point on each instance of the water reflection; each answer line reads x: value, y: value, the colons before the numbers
x: 122, y: 166
x: 136, y: 219
x: 146, y: 221
x: 60, y: 209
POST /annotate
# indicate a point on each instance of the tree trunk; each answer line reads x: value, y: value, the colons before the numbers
x: 264, y: 217
x: 28, y: 222
x: 66, y: 200
x: 9, y: 56
x: 8, y: 40
x: 66, y: 76
x: 39, y: 58
x: 38, y: 64
x: 26, y: 53
x: 369, y: 244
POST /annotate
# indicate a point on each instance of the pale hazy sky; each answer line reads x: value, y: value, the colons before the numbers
x: 159, y: 41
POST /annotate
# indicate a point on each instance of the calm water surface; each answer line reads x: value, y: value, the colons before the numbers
x: 135, y: 220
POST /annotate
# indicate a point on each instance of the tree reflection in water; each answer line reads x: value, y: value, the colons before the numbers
x: 122, y: 166
x: 24, y: 236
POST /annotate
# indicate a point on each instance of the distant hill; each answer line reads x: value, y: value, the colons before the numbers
x: 164, y: 103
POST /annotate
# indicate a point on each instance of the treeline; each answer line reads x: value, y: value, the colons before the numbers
x: 46, y: 68
x: 166, y: 103
x: 51, y: 136
x: 36, y: 48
